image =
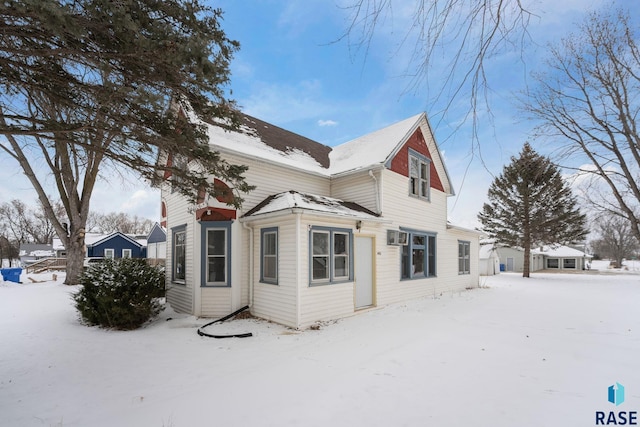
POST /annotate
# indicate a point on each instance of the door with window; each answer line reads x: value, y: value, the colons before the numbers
x: 364, y: 277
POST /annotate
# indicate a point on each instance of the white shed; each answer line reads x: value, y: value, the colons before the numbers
x: 489, y: 259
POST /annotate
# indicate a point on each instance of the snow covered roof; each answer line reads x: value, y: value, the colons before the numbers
x: 268, y: 142
x: 560, y: 252
x: 262, y: 140
x: 487, y: 250
x: 374, y: 148
x: 91, y: 239
x: 311, y: 202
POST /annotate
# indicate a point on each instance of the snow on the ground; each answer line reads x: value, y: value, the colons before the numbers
x: 517, y: 352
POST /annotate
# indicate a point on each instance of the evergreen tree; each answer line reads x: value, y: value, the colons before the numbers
x: 530, y: 205
x: 88, y: 84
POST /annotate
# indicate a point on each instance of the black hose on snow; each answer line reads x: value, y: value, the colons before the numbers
x: 222, y: 319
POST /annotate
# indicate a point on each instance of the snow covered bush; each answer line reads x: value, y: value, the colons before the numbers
x: 120, y: 294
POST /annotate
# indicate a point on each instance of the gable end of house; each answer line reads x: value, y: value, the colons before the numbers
x: 400, y: 162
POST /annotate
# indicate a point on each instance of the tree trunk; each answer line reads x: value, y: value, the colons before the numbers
x: 75, y: 258
x: 527, y: 261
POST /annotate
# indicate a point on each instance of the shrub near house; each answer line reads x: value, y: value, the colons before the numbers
x: 120, y: 294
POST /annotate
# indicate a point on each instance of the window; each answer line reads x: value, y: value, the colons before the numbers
x: 110, y: 253
x: 180, y: 163
x: 331, y: 259
x: 178, y: 254
x: 419, y: 166
x: 552, y: 263
x: 126, y: 253
x: 418, y: 258
x: 569, y: 263
x: 464, y: 257
x: 320, y: 255
x: 216, y: 250
x: 269, y: 256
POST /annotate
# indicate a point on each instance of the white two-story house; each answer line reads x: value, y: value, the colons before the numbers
x: 327, y: 232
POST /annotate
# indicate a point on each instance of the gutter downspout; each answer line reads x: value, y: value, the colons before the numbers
x: 298, y: 269
x: 377, y: 191
x: 250, y: 230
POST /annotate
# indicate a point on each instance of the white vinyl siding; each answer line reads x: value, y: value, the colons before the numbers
x: 278, y: 303
x: 359, y: 188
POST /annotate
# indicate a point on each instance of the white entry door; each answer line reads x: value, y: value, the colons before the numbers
x: 364, y: 271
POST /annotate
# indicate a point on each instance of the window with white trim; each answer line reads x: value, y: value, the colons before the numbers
x: 331, y: 259
x: 464, y: 257
x: 419, y: 166
x: 178, y: 254
x: 269, y: 255
x: 552, y: 263
x: 569, y: 263
x: 418, y: 259
x: 110, y: 253
x: 126, y: 253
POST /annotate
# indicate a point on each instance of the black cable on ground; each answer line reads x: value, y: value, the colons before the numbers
x: 222, y: 319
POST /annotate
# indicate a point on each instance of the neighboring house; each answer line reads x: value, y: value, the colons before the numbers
x: 563, y: 258
x: 32, y: 252
x: 547, y: 257
x: 114, y: 245
x: 327, y: 231
x: 157, y: 243
x: 489, y: 263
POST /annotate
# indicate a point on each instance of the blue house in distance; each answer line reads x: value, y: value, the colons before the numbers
x: 117, y: 245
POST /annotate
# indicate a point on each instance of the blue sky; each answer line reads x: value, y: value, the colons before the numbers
x: 293, y: 71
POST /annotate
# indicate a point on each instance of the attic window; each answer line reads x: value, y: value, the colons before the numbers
x: 180, y: 163
x: 419, y: 166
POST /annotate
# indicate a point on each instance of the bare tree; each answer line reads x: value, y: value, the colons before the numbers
x: 588, y: 104
x: 456, y: 35
x: 28, y: 224
x: 118, y: 221
x: 615, y: 240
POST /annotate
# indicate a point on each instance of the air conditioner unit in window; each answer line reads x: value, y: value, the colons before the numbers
x: 396, y: 238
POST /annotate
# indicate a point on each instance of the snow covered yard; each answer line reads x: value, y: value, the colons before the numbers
x: 536, y: 352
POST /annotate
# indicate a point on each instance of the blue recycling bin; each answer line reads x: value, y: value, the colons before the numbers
x: 11, y: 274
x: 502, y: 267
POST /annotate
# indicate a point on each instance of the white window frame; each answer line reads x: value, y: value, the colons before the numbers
x: 127, y: 253
x: 419, y: 176
x: 110, y: 253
